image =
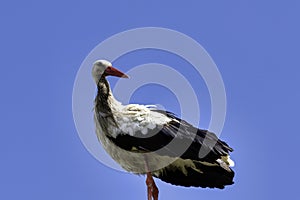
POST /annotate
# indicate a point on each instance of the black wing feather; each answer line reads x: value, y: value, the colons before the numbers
x: 182, y: 133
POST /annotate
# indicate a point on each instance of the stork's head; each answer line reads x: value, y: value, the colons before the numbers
x: 104, y: 68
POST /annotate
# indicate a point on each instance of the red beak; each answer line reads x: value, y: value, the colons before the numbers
x: 115, y: 72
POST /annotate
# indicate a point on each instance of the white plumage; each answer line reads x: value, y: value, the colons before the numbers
x: 135, y: 118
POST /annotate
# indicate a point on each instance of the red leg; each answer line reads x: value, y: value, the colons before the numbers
x: 149, y: 193
x: 152, y: 189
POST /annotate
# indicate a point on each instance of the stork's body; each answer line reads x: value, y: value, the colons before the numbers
x: 145, y: 140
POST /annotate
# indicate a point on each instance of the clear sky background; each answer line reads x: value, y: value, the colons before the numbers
x: 255, y: 45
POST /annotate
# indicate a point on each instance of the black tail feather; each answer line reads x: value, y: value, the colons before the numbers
x: 197, y: 175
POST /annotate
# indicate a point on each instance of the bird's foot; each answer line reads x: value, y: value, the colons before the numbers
x: 152, y: 189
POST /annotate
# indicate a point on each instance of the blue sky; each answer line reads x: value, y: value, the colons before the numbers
x: 255, y: 45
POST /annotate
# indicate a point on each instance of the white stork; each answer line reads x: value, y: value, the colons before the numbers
x: 129, y: 132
